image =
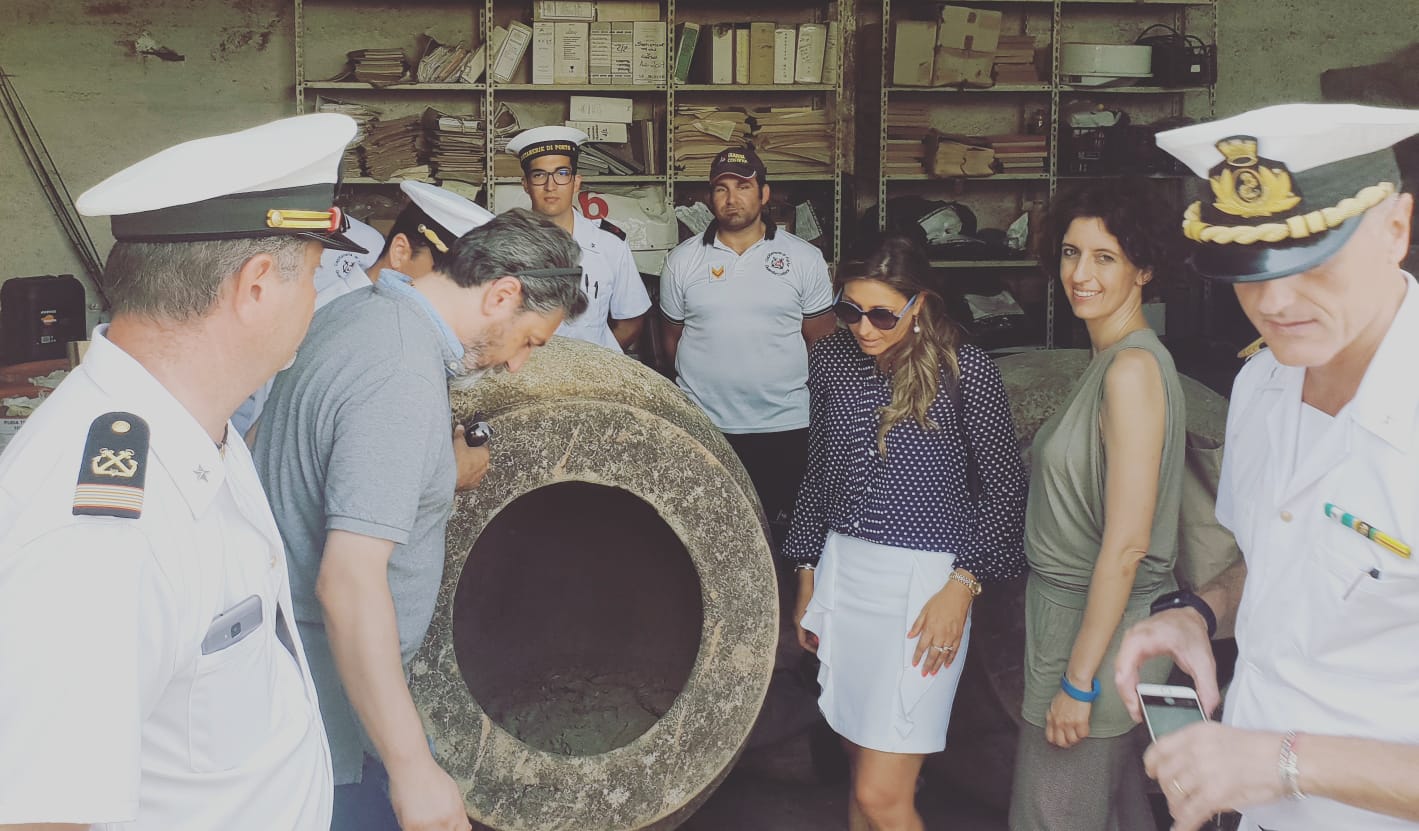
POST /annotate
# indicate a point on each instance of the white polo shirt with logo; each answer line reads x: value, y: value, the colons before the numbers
x: 742, y: 357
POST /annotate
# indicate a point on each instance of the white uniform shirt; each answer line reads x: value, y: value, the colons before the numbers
x: 612, y: 284
x: 742, y: 357
x: 1328, y: 627
x: 109, y: 712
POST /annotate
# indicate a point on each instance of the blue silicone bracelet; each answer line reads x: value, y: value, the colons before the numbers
x: 1076, y: 693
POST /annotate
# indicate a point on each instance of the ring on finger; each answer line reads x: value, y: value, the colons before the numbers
x: 941, y: 648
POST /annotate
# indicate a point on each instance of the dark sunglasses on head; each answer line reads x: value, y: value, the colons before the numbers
x: 883, y: 319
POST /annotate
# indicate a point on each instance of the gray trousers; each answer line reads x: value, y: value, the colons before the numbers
x: 1097, y: 785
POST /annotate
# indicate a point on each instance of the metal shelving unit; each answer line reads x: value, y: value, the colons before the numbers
x: 1054, y: 89
x: 487, y: 94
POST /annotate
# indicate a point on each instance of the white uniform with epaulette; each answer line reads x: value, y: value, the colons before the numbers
x: 610, y: 280
x: 612, y: 284
x: 149, y: 674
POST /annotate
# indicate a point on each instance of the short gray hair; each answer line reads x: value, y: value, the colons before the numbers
x: 180, y: 281
x: 514, y: 243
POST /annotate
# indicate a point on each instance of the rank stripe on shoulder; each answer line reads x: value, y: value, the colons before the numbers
x: 113, y: 468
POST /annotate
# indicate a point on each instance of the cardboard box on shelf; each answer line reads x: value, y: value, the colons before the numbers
x: 598, y: 108
x: 628, y: 10
x: 913, y: 49
x: 974, y: 30
x: 959, y: 67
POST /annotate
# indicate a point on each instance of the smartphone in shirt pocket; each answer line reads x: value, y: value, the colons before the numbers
x: 229, y: 704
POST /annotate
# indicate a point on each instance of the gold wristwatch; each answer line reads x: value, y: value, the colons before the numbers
x: 965, y: 579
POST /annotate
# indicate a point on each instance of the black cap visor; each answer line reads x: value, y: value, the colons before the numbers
x: 237, y: 216
x: 1253, y: 263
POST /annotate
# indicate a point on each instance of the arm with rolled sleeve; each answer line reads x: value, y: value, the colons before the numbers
x: 995, y: 455
x: 809, y: 530
x: 87, y: 624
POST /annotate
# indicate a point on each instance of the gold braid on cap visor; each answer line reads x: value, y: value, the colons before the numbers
x: 433, y: 238
x: 304, y: 220
x: 1296, y: 227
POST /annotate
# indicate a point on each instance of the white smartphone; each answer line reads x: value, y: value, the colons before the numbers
x: 1167, y: 708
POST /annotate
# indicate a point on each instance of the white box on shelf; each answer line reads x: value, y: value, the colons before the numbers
x: 543, y: 52
x: 649, y: 42
x: 572, y: 52
x: 600, y: 108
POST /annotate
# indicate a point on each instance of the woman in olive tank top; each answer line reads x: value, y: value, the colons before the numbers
x: 1101, y: 519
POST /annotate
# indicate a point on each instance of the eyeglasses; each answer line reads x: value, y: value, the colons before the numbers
x: 562, y: 176
x: 882, y: 319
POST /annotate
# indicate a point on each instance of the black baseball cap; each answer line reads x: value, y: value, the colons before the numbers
x: 740, y: 162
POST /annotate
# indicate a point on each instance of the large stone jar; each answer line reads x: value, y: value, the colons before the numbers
x: 606, y: 625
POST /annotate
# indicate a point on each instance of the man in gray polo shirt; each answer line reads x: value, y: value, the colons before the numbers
x: 355, y: 455
x: 741, y: 304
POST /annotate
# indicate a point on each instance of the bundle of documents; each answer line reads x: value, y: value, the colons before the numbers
x: 908, y: 124
x: 793, y: 139
x: 1015, y: 61
x: 953, y: 156
x: 456, y: 146
x: 394, y: 149
x: 378, y: 67
x: 1019, y: 153
x: 630, y: 150
x: 440, y: 63
x: 351, y: 164
x: 702, y: 131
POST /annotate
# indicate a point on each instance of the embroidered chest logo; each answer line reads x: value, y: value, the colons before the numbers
x: 777, y: 263
x: 717, y: 271
x: 109, y: 463
x: 345, y: 265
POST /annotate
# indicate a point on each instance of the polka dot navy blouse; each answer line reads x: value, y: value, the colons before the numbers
x: 916, y: 497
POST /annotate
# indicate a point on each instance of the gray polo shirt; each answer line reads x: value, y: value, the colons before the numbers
x: 742, y: 357
x: 357, y: 436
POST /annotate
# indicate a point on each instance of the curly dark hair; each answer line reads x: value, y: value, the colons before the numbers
x: 1139, y: 213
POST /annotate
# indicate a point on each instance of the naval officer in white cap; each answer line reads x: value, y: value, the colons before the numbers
x: 152, y: 677
x: 1320, y: 483
x: 426, y: 229
x: 613, y: 287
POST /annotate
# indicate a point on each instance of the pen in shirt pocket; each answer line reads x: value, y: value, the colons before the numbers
x: 1367, y: 530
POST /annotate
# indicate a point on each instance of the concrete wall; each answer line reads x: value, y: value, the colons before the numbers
x: 100, y: 102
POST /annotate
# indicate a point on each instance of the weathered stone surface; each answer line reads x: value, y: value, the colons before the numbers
x: 580, y: 414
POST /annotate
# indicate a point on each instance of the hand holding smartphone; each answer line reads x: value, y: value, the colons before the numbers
x: 1167, y: 709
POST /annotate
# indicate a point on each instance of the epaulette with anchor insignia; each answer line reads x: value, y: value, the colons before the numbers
x: 612, y: 229
x: 114, y: 467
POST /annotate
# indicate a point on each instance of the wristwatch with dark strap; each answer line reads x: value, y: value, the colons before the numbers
x: 1183, y: 598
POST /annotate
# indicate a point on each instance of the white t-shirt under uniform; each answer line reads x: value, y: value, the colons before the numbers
x: 741, y: 356
x: 612, y: 284
x: 112, y: 711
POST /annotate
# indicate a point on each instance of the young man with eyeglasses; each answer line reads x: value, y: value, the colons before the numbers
x: 616, y: 298
x: 742, y: 303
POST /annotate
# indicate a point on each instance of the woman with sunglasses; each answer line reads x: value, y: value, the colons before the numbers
x: 914, y: 496
x: 1102, y: 521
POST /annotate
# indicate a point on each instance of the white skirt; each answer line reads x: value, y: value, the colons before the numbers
x: 865, y: 598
